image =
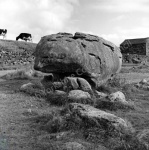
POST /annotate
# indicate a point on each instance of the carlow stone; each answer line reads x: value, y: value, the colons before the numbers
x: 83, y: 55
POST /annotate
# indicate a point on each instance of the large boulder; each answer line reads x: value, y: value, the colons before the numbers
x: 83, y: 55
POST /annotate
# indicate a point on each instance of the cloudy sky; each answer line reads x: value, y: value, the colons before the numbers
x: 114, y: 20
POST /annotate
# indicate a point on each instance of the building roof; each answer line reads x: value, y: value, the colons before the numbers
x: 135, y: 41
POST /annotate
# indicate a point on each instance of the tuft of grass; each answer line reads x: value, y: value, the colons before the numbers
x: 35, y: 90
x: 54, y: 99
x: 116, y: 82
x: 104, y: 89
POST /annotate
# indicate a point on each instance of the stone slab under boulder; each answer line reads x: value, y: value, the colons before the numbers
x: 77, y: 83
x: 84, y: 55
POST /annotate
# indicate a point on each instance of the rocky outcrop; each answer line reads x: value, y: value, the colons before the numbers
x: 81, y: 55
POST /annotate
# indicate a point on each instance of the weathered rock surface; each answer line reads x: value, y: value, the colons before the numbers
x: 144, y: 84
x: 75, y: 83
x: 59, y: 93
x: 117, y: 97
x: 84, y: 55
x: 113, y: 101
x: 67, y: 84
x: 71, y: 83
x: 78, y: 95
x: 100, y: 94
x: 94, y: 117
x: 26, y: 86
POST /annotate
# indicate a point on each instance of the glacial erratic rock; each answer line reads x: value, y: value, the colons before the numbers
x: 81, y: 55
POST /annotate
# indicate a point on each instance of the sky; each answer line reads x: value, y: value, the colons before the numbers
x: 114, y: 20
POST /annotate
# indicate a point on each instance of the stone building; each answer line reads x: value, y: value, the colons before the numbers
x: 138, y: 46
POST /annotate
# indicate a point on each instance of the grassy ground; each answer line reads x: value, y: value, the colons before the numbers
x: 16, y: 46
x: 26, y: 120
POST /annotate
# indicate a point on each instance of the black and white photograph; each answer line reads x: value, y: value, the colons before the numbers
x: 74, y: 75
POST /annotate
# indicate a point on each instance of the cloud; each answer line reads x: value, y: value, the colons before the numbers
x: 38, y: 17
x: 122, y: 5
x: 122, y: 33
x: 113, y: 37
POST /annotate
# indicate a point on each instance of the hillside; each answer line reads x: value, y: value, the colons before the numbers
x: 10, y: 45
x: 14, y: 54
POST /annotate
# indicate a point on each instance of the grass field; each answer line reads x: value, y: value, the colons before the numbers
x: 24, y: 118
x: 29, y: 122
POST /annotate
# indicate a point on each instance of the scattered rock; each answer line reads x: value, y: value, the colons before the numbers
x: 78, y: 95
x: 144, y: 84
x: 59, y: 93
x: 136, y: 60
x: 76, y: 83
x: 117, y: 97
x: 27, y: 86
x: 84, y: 85
x: 144, y: 81
x: 71, y: 83
x: 100, y: 94
x: 93, y: 117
